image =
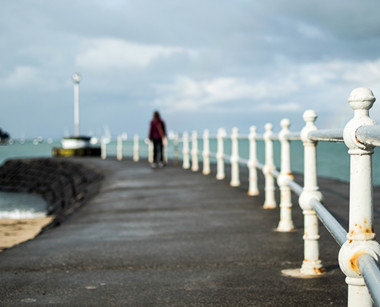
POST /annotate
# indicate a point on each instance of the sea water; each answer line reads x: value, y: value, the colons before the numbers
x: 23, y: 205
x: 332, y: 158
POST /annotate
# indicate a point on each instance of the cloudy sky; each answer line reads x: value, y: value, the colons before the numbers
x: 201, y: 63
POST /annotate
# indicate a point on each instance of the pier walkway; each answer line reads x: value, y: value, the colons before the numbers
x: 172, y: 237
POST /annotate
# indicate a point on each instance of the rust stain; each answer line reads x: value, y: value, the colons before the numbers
x: 365, y: 221
x: 319, y: 270
x: 290, y: 175
x: 354, y: 262
x: 350, y: 241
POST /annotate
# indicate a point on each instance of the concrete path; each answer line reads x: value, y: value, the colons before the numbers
x: 171, y: 237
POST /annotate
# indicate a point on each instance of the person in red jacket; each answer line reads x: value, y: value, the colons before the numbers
x: 157, y: 135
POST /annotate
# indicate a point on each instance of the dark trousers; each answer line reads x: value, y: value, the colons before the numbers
x: 157, y: 151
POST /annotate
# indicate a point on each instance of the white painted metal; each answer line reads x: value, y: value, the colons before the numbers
x: 194, y: 152
x: 360, y: 238
x: 293, y: 136
x: 76, y: 79
x: 371, y: 274
x: 73, y: 143
x: 206, y: 153
x: 253, y: 188
x: 136, y: 155
x: 220, y: 174
x: 329, y: 135
x: 103, y: 149
x: 185, y: 150
x: 150, y: 151
x: 235, y: 181
x: 175, y: 145
x: 119, y: 148
x: 270, y: 201
x: 369, y: 135
x: 332, y: 225
x: 311, y: 265
x: 286, y: 222
x: 165, y: 144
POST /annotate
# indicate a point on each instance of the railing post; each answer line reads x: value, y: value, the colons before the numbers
x: 150, y: 151
x: 286, y: 222
x: 270, y: 201
x: 103, y: 149
x: 185, y: 151
x: 175, y: 149
x: 220, y: 174
x: 194, y: 152
x: 253, y: 188
x: 165, y: 144
x: 235, y: 181
x: 311, y: 265
x: 206, y: 153
x: 136, y: 156
x: 361, y: 236
x: 119, y: 147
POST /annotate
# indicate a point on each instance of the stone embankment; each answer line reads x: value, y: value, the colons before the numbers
x: 64, y: 184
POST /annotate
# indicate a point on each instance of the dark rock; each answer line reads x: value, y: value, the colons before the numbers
x: 64, y: 184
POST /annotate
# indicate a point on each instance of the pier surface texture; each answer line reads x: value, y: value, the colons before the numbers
x: 172, y: 237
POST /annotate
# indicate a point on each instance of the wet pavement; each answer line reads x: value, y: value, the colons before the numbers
x: 172, y: 237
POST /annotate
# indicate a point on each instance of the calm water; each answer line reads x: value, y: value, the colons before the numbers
x: 333, y: 161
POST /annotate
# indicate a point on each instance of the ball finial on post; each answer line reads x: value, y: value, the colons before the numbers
x: 285, y: 124
x: 361, y: 98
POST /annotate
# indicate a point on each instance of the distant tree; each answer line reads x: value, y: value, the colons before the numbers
x: 4, y: 136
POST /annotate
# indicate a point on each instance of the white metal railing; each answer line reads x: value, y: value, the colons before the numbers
x: 359, y: 251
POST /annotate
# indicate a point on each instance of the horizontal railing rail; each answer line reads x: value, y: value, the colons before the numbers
x: 369, y: 135
x: 328, y: 135
x: 332, y: 225
x: 371, y: 274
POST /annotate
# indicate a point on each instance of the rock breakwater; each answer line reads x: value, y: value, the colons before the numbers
x: 63, y: 183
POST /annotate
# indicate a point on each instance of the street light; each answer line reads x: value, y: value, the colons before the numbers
x: 76, y: 79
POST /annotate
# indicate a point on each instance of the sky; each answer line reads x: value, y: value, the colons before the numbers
x: 203, y: 64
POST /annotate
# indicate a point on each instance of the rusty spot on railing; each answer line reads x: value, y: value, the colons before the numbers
x: 354, y: 262
x: 290, y: 175
x: 319, y: 270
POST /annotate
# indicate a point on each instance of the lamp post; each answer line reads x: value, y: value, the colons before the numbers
x: 76, y: 79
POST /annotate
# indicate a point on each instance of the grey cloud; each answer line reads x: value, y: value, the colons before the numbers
x: 323, y: 48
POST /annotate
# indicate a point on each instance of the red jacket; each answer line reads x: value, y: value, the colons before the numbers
x: 157, y: 129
